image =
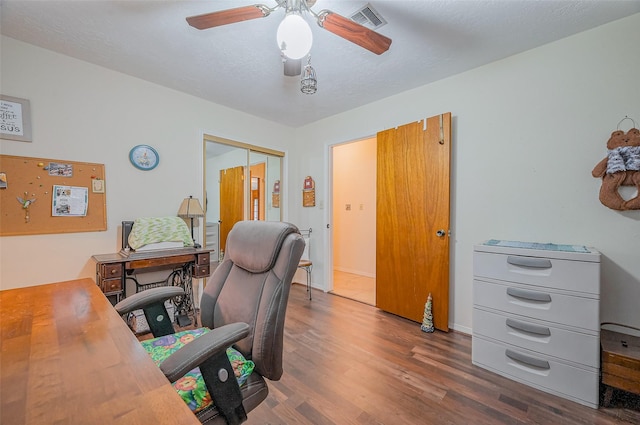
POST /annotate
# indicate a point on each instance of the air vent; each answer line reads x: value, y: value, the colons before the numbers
x: 369, y: 17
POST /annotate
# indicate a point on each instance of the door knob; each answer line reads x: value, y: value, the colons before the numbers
x: 440, y: 233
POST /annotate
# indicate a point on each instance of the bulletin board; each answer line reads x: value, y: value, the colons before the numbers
x: 42, y: 195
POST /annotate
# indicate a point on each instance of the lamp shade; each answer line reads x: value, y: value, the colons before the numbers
x: 190, y: 208
x: 294, y: 36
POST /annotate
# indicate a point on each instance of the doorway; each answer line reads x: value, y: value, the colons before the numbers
x: 411, y: 208
x: 353, y: 218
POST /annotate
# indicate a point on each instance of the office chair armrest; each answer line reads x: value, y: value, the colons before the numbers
x: 145, y: 298
x: 197, y: 351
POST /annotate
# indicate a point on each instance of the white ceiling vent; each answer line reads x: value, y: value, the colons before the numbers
x: 369, y: 17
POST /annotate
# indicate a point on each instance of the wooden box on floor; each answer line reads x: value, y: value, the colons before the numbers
x: 620, y: 363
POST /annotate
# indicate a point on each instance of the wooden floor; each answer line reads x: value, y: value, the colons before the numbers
x: 347, y: 363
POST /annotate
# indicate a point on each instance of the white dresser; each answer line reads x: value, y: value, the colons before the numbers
x: 212, y: 240
x: 536, y: 316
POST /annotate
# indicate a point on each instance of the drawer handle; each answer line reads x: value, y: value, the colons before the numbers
x: 536, y: 263
x: 529, y: 327
x: 528, y: 360
x: 529, y: 295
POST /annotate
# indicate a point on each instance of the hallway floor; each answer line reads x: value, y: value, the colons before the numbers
x: 355, y: 287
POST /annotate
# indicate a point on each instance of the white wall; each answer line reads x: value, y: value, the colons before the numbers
x: 82, y: 112
x: 527, y: 131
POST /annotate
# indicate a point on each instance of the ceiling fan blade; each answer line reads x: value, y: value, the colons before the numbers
x: 229, y: 16
x: 292, y: 67
x: 354, y: 32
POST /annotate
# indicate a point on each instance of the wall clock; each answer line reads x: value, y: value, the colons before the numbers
x: 144, y: 157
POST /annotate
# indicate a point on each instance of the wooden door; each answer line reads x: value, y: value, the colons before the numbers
x: 412, y: 258
x: 231, y: 201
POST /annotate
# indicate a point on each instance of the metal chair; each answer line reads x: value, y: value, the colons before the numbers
x: 305, y: 261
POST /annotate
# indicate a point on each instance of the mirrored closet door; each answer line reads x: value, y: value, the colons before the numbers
x: 241, y: 182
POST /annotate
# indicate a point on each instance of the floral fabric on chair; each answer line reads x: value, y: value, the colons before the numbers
x: 191, y: 387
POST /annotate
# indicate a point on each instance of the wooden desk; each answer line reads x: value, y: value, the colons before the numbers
x: 67, y: 357
x: 113, y: 270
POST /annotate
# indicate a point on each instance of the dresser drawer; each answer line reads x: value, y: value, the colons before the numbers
x: 111, y: 270
x: 538, y: 303
x: 111, y: 285
x: 203, y: 259
x: 200, y: 270
x: 538, y: 336
x: 543, y: 372
x: 570, y: 275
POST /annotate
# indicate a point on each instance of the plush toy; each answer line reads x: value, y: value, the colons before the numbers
x: 621, y: 167
x: 632, y: 163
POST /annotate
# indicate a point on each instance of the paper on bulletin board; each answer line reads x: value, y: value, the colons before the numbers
x: 70, y: 201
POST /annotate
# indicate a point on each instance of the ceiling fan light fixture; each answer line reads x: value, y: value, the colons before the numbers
x: 308, y: 82
x: 294, y: 36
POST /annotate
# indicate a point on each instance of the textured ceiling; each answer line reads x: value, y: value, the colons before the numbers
x: 239, y: 65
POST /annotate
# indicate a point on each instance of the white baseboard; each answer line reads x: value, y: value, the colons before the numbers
x: 462, y: 329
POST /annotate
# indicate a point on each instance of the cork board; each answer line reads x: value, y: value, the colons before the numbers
x: 42, y: 195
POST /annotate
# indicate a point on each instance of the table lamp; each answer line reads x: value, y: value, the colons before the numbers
x: 191, y: 208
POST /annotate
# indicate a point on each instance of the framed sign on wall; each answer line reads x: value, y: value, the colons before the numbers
x: 309, y: 192
x: 15, y: 119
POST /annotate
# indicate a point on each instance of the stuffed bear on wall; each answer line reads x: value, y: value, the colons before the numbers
x: 621, y: 167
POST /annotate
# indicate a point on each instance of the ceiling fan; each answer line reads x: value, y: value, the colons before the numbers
x: 294, y: 35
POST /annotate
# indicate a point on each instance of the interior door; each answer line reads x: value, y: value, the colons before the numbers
x: 231, y: 200
x: 412, y: 219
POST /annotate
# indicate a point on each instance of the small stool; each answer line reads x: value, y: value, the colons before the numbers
x: 305, y: 262
x: 620, y: 363
x: 307, y: 265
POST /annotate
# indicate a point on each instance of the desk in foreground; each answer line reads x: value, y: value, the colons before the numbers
x: 68, y: 357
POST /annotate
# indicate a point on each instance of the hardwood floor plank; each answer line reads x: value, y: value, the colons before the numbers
x: 348, y: 363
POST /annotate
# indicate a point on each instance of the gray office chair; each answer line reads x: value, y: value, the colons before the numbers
x: 243, y: 307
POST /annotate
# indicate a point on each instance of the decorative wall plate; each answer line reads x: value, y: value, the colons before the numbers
x: 144, y: 157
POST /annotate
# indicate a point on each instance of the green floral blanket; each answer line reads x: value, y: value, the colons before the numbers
x: 191, y: 387
x: 150, y: 230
